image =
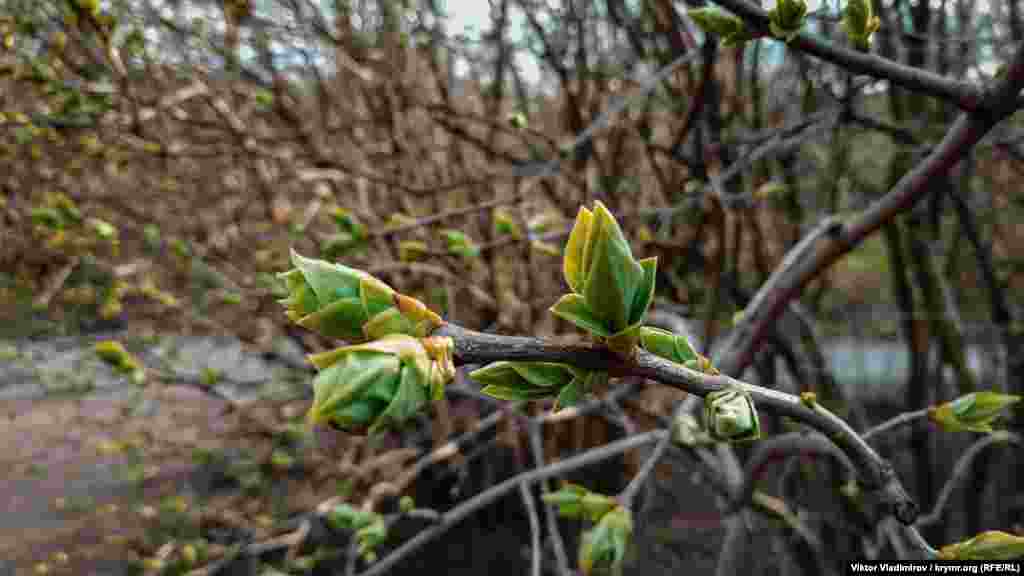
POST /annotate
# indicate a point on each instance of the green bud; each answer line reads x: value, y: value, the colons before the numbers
x: 459, y: 244
x: 103, y: 229
x: 151, y: 237
x: 341, y: 302
x: 346, y: 517
x: 731, y: 416
x: 264, y: 98
x: 517, y: 120
x: 189, y: 554
x: 209, y: 377
x: 339, y: 244
x: 714, y: 21
x: 67, y: 208
x: 610, y: 290
x: 113, y: 353
x: 347, y: 222
x: 382, y: 384
x: 371, y: 536
x: 505, y: 224
x: 47, y: 218
x: 406, y: 504
x: 990, y: 545
x: 702, y: 364
x: 974, y: 412
x: 575, y: 501
x: 522, y: 381
x: 850, y: 489
x: 369, y: 527
x: 181, y: 248
x: 674, y: 347
x: 809, y: 399
x: 281, y: 460
x: 860, y: 22
x: 603, y: 549
x: 411, y: 250
x: 787, y: 18
x: 231, y: 298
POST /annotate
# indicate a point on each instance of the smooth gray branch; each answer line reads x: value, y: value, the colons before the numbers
x: 895, y: 422
x: 877, y: 474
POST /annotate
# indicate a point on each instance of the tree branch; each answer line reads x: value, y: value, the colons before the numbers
x: 965, y: 95
x: 475, y: 348
x: 809, y: 259
x: 963, y: 465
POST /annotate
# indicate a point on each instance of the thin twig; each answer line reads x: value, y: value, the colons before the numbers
x: 895, y: 422
x: 631, y: 490
x: 557, y: 543
x: 489, y: 496
x: 965, y: 95
x: 963, y: 466
x: 811, y: 259
x: 531, y: 513
x: 784, y: 446
x: 478, y: 293
x: 55, y: 284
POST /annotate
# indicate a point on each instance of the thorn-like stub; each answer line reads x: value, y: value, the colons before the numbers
x: 835, y: 229
x: 906, y: 512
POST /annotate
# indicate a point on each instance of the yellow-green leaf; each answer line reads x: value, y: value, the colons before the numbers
x: 575, y: 250
x: 990, y: 545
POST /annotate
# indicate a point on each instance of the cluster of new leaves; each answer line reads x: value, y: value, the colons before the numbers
x: 61, y: 224
x: 383, y: 383
x: 377, y: 384
x: 369, y: 527
x: 786, y: 20
x: 603, y: 547
x: 611, y: 291
x: 380, y: 384
x: 38, y: 38
x: 348, y: 304
x: 350, y: 236
x: 398, y: 368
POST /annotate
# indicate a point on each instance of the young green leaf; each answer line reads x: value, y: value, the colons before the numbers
x: 611, y: 291
x: 974, y: 412
x: 573, y: 307
x: 674, y: 347
x: 991, y: 545
x: 381, y: 384
x: 712, y: 20
x: 342, y: 302
x: 860, y: 23
x: 787, y: 18
x: 603, y: 549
